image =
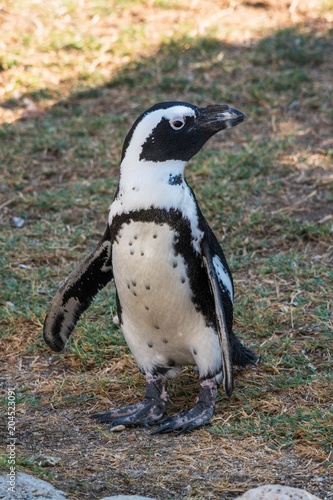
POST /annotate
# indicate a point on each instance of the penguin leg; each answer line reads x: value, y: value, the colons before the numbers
x: 146, y: 412
x: 191, y: 419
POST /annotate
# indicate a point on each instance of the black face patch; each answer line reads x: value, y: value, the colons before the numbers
x: 161, y: 105
x: 165, y: 143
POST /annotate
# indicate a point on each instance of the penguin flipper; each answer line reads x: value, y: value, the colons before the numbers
x: 77, y: 292
x: 222, y: 327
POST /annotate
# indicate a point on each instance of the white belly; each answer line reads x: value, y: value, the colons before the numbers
x: 159, y: 320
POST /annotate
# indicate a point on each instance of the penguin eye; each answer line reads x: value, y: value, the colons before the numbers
x: 177, y: 122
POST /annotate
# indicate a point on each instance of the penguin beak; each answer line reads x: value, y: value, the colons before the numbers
x: 217, y: 117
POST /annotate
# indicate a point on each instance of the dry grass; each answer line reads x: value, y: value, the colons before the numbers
x: 74, y: 75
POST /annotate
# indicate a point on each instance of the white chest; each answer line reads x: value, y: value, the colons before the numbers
x: 159, y: 320
x: 151, y: 279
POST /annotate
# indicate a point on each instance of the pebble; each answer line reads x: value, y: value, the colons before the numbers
x: 46, y: 460
x: 17, y: 222
x: 117, y: 428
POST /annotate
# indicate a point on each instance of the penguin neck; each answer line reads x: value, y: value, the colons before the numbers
x: 150, y: 173
x: 148, y: 185
x: 145, y: 184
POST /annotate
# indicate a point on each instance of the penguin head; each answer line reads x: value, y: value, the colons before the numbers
x: 176, y: 131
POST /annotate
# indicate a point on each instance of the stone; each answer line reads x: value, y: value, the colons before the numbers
x: 46, y: 460
x: 23, y: 486
x: 277, y: 492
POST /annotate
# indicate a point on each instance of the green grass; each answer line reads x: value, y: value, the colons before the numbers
x: 27, y: 465
x: 283, y: 430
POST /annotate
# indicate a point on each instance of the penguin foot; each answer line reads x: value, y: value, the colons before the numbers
x: 146, y: 412
x: 188, y: 420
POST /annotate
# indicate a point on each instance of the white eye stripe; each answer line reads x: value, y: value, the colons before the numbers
x: 177, y: 122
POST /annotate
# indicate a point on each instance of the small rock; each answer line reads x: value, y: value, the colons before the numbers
x: 131, y: 437
x: 46, y: 460
x: 117, y: 428
x: 115, y: 320
x: 17, y: 222
x: 277, y: 492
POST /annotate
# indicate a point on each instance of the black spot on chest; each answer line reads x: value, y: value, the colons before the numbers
x: 175, y: 180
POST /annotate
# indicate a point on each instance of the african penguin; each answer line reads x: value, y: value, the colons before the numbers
x: 174, y: 289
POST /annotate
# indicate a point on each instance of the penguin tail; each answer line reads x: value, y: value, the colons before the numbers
x: 241, y: 354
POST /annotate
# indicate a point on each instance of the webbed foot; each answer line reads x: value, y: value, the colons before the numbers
x: 188, y: 420
x: 146, y: 412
